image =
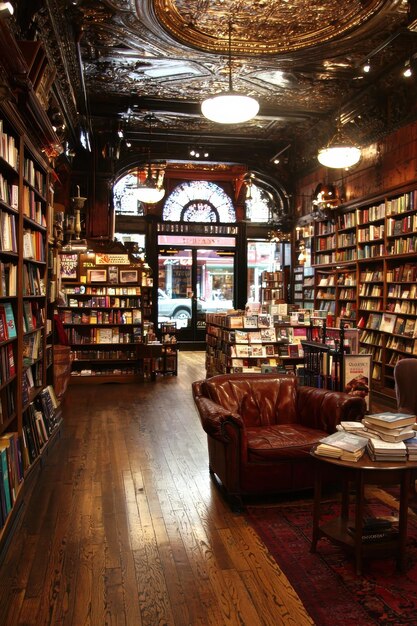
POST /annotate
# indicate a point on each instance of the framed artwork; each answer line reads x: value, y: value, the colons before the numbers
x: 113, y: 272
x: 69, y: 266
x: 97, y: 276
x: 128, y: 276
x: 357, y: 375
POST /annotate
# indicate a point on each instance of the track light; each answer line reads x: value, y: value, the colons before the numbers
x: 367, y: 67
x: 120, y: 133
x: 407, y: 71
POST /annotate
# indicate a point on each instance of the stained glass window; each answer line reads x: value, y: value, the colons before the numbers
x: 199, y: 201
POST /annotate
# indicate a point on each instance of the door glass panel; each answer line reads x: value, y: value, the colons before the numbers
x: 214, y: 288
x: 262, y: 256
x: 175, y: 291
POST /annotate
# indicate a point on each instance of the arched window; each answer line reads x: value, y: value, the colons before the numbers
x: 199, y: 201
x: 259, y: 205
x: 124, y: 196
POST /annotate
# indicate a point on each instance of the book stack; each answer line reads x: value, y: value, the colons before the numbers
x: 391, y: 427
x: 342, y: 445
x: 379, y: 450
x: 411, y: 445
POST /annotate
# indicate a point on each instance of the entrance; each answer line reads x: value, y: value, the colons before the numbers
x: 192, y: 282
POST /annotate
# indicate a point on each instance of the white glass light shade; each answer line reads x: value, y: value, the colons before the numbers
x: 230, y: 108
x: 339, y: 156
x: 148, y: 193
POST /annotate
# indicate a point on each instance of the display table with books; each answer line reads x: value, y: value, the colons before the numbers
x: 366, y: 538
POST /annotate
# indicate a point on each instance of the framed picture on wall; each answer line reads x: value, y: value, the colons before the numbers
x: 97, y: 276
x: 113, y: 273
x: 128, y: 276
x: 69, y: 266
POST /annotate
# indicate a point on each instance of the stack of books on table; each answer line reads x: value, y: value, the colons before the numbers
x: 380, y: 450
x: 392, y: 427
x: 411, y: 445
x: 342, y: 445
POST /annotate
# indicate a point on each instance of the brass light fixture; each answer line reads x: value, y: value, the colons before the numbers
x: 340, y: 152
x: 230, y: 107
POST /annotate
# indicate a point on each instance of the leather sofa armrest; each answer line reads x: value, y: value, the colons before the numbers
x: 213, y: 417
x: 324, y: 409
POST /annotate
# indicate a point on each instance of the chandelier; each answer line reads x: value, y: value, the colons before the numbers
x: 230, y: 107
x: 340, y: 152
x: 150, y: 191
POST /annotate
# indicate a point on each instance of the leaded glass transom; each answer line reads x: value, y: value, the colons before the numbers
x: 199, y: 201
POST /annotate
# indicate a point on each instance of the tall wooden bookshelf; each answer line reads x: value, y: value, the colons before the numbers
x: 107, y: 303
x: 370, y: 248
x: 29, y: 411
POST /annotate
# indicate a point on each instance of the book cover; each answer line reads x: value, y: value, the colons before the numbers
x: 391, y: 420
x: 345, y: 441
x: 11, y: 327
x: 5, y: 478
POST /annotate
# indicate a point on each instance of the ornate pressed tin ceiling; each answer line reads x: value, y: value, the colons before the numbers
x: 300, y: 58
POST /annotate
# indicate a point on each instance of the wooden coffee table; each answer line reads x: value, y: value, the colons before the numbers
x: 358, y: 474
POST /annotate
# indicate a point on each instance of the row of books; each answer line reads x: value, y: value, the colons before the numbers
x: 32, y: 208
x: 34, y: 177
x: 40, y: 420
x: 33, y: 284
x: 7, y: 363
x: 103, y: 291
x: 406, y: 273
x: 8, y: 240
x: 103, y: 335
x: 402, y: 226
x: 33, y: 245
x: 8, y: 149
x: 371, y: 214
x: 103, y: 302
x: 9, y: 193
x: 108, y: 371
x: 370, y: 233
x: 33, y: 315
x: 93, y: 316
x: 8, y: 279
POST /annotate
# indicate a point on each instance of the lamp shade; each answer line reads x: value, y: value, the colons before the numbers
x: 339, y: 153
x: 149, y: 193
x: 230, y: 107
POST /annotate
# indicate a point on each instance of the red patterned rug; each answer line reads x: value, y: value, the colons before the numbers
x: 326, y: 581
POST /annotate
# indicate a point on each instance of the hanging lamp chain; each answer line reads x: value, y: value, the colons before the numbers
x: 230, y: 56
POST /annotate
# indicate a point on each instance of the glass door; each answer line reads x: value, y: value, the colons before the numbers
x: 191, y: 283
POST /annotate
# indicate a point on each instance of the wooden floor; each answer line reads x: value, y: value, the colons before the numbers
x: 126, y: 528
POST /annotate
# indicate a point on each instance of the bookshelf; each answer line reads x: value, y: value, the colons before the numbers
x: 107, y: 303
x: 382, y: 234
x: 30, y: 414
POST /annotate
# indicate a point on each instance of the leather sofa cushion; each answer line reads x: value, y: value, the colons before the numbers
x: 281, y: 442
x: 259, y: 401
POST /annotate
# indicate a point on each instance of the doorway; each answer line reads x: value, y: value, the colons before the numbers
x: 194, y: 281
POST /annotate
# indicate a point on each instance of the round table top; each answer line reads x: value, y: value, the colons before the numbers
x: 365, y: 462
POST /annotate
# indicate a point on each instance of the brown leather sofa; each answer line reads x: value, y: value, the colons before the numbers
x: 261, y: 427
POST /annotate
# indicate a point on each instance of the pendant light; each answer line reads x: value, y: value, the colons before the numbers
x: 339, y: 152
x: 150, y: 191
x: 230, y: 107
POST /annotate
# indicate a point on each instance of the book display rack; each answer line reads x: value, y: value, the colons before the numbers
x: 252, y: 343
x: 375, y: 247
x: 29, y: 410
x: 107, y: 302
